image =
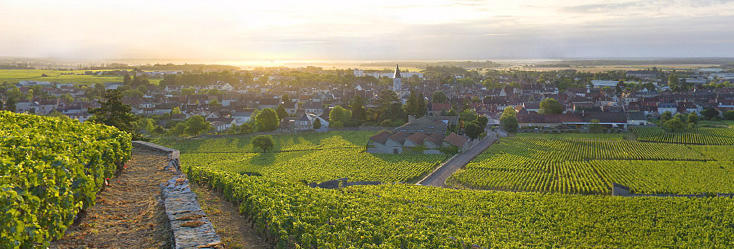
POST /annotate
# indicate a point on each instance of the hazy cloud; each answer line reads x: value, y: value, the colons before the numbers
x: 380, y: 29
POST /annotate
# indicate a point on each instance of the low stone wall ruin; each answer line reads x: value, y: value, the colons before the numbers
x: 190, y: 226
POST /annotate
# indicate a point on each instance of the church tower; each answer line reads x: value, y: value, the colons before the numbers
x: 396, y: 84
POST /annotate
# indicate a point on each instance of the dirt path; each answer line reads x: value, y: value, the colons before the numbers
x: 231, y: 227
x: 438, y: 177
x: 128, y: 213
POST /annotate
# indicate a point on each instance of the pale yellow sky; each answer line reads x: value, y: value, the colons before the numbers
x: 365, y: 30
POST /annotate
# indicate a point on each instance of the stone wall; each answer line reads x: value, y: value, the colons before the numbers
x: 190, y: 226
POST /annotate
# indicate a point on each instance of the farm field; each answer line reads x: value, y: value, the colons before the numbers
x: 70, y: 76
x: 579, y: 163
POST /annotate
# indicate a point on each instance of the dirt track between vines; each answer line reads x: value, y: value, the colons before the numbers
x: 128, y: 212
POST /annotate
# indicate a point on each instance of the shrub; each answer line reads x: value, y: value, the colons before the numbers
x: 264, y: 142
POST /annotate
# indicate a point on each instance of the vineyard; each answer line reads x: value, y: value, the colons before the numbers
x: 283, y: 142
x: 700, y: 136
x: 50, y: 169
x: 313, y: 157
x: 404, y: 216
x: 577, y: 164
x: 290, y: 214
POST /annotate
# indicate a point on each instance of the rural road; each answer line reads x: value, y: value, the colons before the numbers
x: 438, y: 177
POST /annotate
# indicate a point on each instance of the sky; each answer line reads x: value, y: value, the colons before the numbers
x: 366, y: 30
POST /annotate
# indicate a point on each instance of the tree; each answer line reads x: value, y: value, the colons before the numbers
x: 214, y: 104
x: 175, y: 110
x: 145, y: 126
x: 188, y: 91
x: 422, y: 106
x: 197, y: 125
x: 281, y: 112
x: 473, y: 130
x: 709, y: 113
x: 550, y: 106
x: 508, y: 119
x: 693, y: 119
x: 359, y: 113
x: 114, y: 113
x: 264, y: 142
x: 674, y: 125
x: 729, y: 115
x: 665, y: 117
x: 317, y: 124
x: 412, y: 105
x: 267, y: 120
x: 482, y: 121
x: 338, y: 116
x: 67, y: 98
x: 468, y: 115
x: 439, y: 97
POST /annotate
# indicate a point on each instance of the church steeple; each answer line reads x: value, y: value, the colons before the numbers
x: 396, y: 84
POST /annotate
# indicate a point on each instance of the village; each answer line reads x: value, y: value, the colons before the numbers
x: 442, y: 93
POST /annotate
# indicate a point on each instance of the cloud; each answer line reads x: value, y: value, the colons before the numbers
x: 370, y: 30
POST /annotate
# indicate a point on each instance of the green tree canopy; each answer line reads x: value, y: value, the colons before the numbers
x: 439, y: 97
x: 473, y: 130
x: 197, y: 125
x: 709, y: 113
x: 267, y: 120
x: 482, y: 121
x: 550, y: 106
x: 508, y: 119
x: 114, y: 113
x: 263, y: 142
x: 281, y: 112
x: 359, y: 112
x: 317, y: 124
x: 339, y: 116
x: 665, y: 116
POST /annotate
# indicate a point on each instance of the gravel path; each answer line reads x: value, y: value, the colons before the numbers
x: 128, y: 212
x: 439, y: 176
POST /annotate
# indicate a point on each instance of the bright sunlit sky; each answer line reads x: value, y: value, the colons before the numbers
x: 365, y: 30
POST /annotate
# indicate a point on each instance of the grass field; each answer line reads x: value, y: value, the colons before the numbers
x: 579, y: 163
x: 74, y: 76
x: 59, y: 76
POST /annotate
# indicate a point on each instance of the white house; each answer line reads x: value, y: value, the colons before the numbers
x: 667, y: 107
x: 604, y: 83
x: 241, y: 117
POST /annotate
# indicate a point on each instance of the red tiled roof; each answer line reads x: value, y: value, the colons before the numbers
x: 532, y: 117
x: 455, y: 140
x: 440, y: 107
x: 417, y: 138
x: 434, y: 138
x: 399, y: 137
x: 381, y: 137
